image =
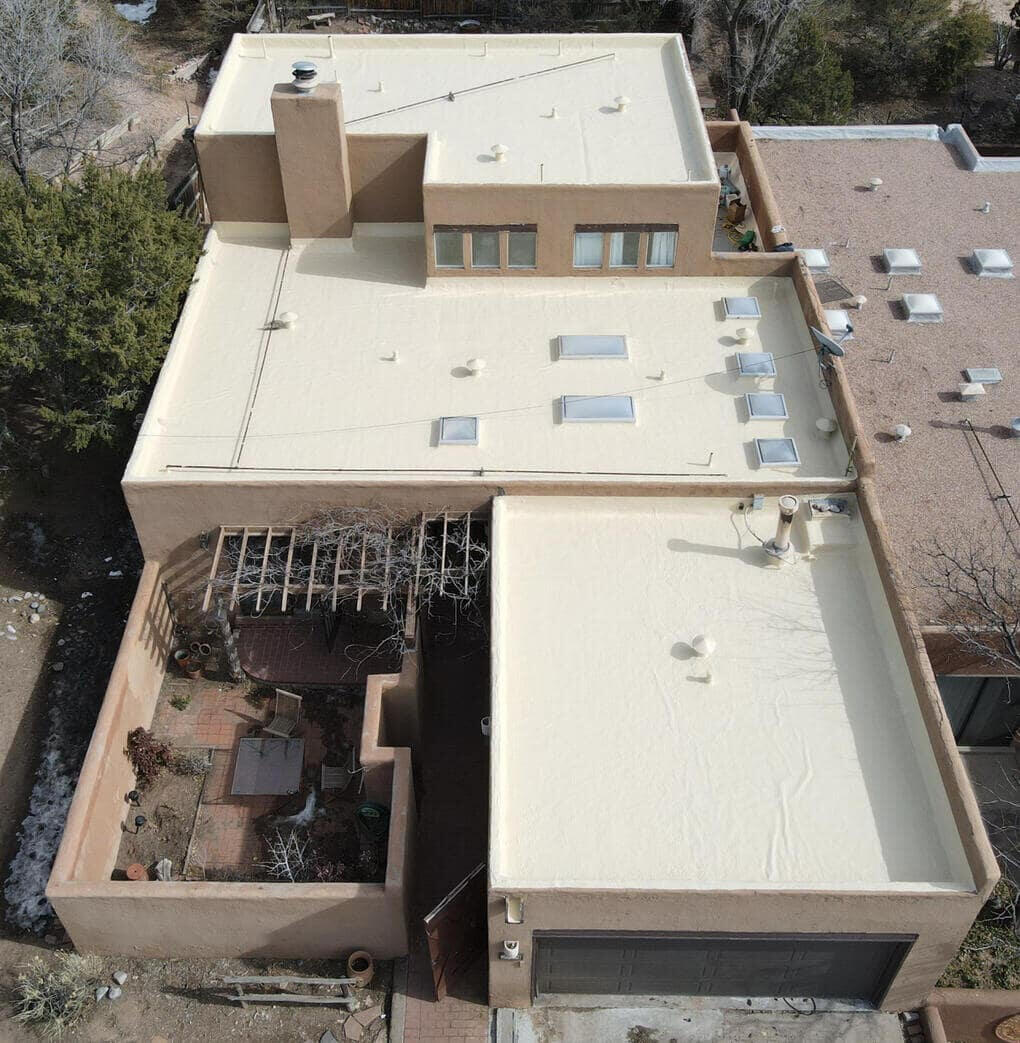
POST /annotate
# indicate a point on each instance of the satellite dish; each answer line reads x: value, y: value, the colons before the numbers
x: 826, y: 344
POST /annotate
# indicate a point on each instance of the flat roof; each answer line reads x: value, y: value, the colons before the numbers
x: 910, y: 373
x: 377, y: 358
x: 803, y: 764
x: 505, y: 89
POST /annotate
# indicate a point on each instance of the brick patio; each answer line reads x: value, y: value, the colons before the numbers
x: 217, y: 716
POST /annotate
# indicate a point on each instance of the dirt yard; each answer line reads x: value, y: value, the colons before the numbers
x: 169, y: 806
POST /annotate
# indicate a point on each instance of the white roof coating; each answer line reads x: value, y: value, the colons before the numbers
x: 377, y: 357
x: 616, y: 764
x: 505, y: 89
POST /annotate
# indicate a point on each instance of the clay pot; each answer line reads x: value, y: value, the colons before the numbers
x: 361, y: 967
x: 136, y: 871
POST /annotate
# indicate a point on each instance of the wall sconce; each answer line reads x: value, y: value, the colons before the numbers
x: 511, y: 951
x: 514, y: 909
x: 140, y: 821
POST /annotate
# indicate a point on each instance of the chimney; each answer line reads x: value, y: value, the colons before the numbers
x: 311, y: 143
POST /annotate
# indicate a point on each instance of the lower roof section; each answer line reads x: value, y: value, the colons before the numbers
x: 794, y: 756
x: 357, y: 385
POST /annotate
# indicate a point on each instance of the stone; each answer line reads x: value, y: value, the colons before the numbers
x: 328, y: 1037
x: 120, y: 977
x: 115, y: 992
x: 58, y: 667
x: 102, y: 992
x: 34, y: 617
x: 353, y: 1030
x: 368, y: 1015
x: 164, y: 868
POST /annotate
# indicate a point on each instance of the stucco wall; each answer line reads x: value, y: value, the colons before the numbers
x: 386, y: 175
x: 971, y: 1015
x: 200, y: 919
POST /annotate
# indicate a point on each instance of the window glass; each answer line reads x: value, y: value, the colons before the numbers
x: 449, y: 250
x: 485, y: 249
x: 983, y: 711
x: 623, y: 249
x: 661, y: 249
x: 587, y: 249
x: 522, y: 249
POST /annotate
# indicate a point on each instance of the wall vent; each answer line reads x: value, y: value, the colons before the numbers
x: 922, y: 307
x: 992, y: 264
x: 901, y: 261
x: 741, y: 308
x: 756, y: 364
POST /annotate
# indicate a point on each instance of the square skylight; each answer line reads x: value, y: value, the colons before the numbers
x: 838, y: 320
x: 922, y: 307
x: 983, y: 375
x: 992, y: 264
x: 756, y: 364
x: 598, y: 409
x: 777, y: 452
x: 741, y: 308
x: 901, y: 261
x: 592, y: 346
x: 816, y: 259
x: 458, y: 430
x: 766, y: 405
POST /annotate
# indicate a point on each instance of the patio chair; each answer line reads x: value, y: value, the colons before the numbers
x: 286, y: 714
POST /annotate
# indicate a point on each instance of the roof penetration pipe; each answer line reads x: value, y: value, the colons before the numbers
x: 779, y: 546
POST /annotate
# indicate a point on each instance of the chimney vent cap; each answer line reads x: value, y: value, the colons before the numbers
x: 305, y: 74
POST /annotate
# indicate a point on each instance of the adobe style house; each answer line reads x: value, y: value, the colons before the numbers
x: 486, y: 282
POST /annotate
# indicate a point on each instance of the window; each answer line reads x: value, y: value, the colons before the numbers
x: 522, y: 249
x: 598, y: 408
x: 587, y: 249
x: 623, y: 249
x: 485, y: 249
x: 983, y: 711
x: 661, y: 249
x: 449, y: 249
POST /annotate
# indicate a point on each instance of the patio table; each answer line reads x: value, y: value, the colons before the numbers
x: 268, y: 765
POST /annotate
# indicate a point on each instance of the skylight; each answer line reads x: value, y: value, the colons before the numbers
x: 756, y: 364
x: 592, y: 346
x: 994, y: 264
x: 816, y: 259
x: 766, y: 405
x: 838, y: 320
x: 922, y: 307
x: 741, y: 308
x: 458, y: 430
x: 598, y: 408
x: 983, y: 375
x: 901, y: 261
x: 777, y: 452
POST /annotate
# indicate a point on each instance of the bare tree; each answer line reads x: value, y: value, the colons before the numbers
x: 754, y: 32
x: 56, y: 75
x: 975, y: 580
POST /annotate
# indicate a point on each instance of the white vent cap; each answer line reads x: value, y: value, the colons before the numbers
x: 996, y: 264
x: 900, y: 260
x: 499, y: 153
x: 305, y: 76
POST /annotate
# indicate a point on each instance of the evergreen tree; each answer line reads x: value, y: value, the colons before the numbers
x: 92, y: 274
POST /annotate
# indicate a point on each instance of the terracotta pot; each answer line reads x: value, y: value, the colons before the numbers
x: 361, y: 967
x: 136, y: 871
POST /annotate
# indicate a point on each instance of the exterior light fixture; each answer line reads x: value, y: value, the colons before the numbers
x: 140, y: 821
x: 134, y: 798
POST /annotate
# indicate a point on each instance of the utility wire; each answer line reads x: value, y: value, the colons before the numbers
x: 995, y: 474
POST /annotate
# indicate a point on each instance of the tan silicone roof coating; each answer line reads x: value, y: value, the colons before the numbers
x: 324, y: 397
x: 615, y: 765
x: 658, y: 139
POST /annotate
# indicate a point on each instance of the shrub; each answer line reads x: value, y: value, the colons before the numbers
x: 57, y: 996
x: 957, y: 46
x: 148, y: 757
x: 190, y: 764
x: 181, y: 699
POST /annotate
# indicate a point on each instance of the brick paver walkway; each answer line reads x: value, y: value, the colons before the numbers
x: 453, y: 803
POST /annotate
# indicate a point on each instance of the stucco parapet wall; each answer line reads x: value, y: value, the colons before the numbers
x: 970, y: 1015
x: 200, y: 919
x: 956, y: 136
x: 863, y: 132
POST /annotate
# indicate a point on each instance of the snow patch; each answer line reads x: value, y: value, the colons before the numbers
x: 139, y: 13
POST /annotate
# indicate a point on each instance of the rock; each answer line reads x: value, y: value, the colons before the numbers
x: 164, y: 868
x: 115, y: 574
x: 50, y: 939
x: 61, y: 641
x: 27, y: 596
x: 368, y: 1015
x: 34, y: 617
x: 58, y: 667
x: 14, y: 599
x: 34, y: 606
x: 115, y: 992
x: 86, y: 594
x: 328, y: 1037
x: 11, y: 629
x: 353, y: 1030
x: 102, y: 992
x: 120, y: 977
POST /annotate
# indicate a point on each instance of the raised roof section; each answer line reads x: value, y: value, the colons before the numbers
x: 505, y: 90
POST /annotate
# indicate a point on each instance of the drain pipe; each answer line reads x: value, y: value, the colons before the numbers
x: 779, y: 545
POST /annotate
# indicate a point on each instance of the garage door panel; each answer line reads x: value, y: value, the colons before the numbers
x: 823, y: 966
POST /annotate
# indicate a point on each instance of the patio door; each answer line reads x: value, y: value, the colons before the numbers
x: 456, y: 930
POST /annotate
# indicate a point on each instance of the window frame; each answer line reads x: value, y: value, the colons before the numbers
x: 645, y: 233
x: 522, y: 230
x: 592, y: 232
x: 443, y: 231
x: 485, y: 232
x: 468, y: 232
x: 621, y: 237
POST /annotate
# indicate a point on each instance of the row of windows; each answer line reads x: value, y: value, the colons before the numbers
x: 517, y: 247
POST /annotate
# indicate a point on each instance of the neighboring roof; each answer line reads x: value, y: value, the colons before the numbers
x: 505, y: 90
x: 930, y: 203
x: 237, y: 399
x: 804, y: 764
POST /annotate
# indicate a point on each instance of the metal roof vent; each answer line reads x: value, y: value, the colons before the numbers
x: 816, y: 259
x: 992, y: 264
x: 901, y: 261
x: 458, y: 430
x: 741, y: 308
x: 922, y: 307
x: 305, y: 76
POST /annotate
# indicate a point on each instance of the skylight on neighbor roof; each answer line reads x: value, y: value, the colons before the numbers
x: 776, y: 452
x: 756, y: 364
x: 766, y: 405
x: 741, y: 308
x: 901, y: 261
x: 598, y: 408
x: 458, y: 430
x: 994, y: 264
x: 592, y: 346
x: 922, y: 307
x: 838, y: 320
x: 816, y: 259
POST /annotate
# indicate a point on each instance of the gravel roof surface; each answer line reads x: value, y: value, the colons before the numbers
x: 938, y: 481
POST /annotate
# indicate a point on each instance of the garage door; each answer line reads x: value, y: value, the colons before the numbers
x: 823, y: 966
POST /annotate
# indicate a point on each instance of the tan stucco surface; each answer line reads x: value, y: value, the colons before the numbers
x: 239, y: 399
x: 512, y: 85
x: 804, y: 763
